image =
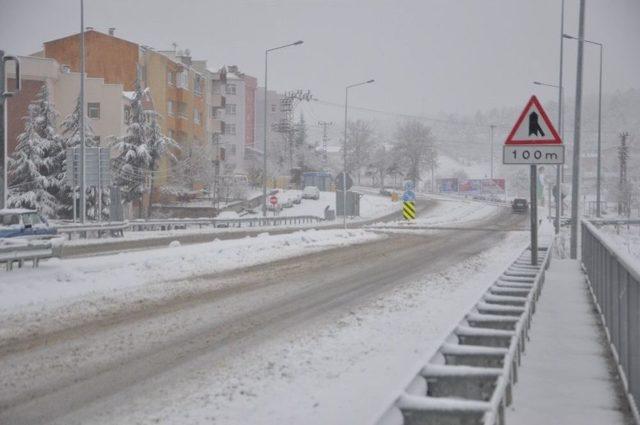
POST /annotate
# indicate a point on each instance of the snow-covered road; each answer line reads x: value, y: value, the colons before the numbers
x: 312, y: 339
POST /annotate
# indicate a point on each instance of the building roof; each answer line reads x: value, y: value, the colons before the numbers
x: 91, y: 31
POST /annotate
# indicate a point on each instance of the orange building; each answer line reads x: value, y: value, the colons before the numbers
x: 177, y: 88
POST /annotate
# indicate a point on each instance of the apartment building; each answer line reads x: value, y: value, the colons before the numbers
x: 104, y: 101
x: 177, y: 85
x: 239, y: 120
x: 274, y: 117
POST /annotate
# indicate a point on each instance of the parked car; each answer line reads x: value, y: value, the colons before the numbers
x: 520, y: 205
x: 298, y: 199
x: 385, y: 192
x: 311, y: 192
x: 287, y: 203
x: 19, y: 222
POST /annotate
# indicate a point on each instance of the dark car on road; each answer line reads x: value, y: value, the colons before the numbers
x: 519, y: 205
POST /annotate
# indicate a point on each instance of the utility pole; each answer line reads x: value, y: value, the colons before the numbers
x: 492, y: 127
x: 623, y: 156
x: 83, y: 189
x: 560, y: 126
x: 575, y: 190
x: 4, y: 94
x: 325, y: 139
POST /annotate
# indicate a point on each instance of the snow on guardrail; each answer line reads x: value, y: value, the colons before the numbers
x: 470, y: 378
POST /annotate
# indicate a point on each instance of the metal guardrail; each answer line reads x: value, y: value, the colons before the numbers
x: 614, y: 283
x: 118, y: 228
x: 469, y: 379
x: 31, y: 251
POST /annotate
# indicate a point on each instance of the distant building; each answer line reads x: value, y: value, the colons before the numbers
x: 239, y: 119
x: 274, y: 117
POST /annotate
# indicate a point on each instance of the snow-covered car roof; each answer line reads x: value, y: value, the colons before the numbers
x: 16, y: 211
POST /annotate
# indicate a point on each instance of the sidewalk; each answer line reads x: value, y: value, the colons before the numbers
x: 565, y: 377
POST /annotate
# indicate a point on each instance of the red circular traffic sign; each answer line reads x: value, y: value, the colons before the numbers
x: 273, y: 200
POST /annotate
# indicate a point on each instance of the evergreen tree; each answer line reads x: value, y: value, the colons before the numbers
x: 70, y: 139
x: 133, y: 152
x: 31, y: 168
x: 158, y: 145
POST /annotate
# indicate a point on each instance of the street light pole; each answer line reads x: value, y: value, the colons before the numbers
x: 599, y: 160
x: 599, y: 164
x: 83, y: 191
x: 344, y: 150
x: 559, y: 193
x: 264, y: 141
x: 575, y: 183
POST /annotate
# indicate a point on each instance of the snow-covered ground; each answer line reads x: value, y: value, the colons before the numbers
x: 148, y: 272
x: 626, y: 238
x: 449, y: 166
x: 341, y: 371
x: 371, y: 206
x: 449, y: 212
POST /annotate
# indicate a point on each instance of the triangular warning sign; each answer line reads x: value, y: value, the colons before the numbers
x: 533, y: 127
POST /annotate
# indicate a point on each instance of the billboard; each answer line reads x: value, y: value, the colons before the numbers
x: 447, y: 185
x: 470, y: 186
x: 496, y: 186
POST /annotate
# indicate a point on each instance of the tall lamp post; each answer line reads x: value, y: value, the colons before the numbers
x: 560, y: 128
x: 344, y: 150
x: 264, y: 142
x: 599, y: 164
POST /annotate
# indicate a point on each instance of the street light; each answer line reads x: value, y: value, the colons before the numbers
x: 558, y: 167
x: 264, y: 144
x: 599, y: 165
x: 344, y: 151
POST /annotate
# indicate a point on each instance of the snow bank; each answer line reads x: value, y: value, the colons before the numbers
x: 60, y: 281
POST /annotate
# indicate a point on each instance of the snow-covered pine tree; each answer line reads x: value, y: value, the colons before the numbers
x: 133, y: 152
x: 70, y: 138
x: 158, y: 145
x: 30, y: 168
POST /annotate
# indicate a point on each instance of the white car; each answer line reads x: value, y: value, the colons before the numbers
x: 311, y: 192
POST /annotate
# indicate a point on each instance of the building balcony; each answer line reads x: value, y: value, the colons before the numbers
x: 217, y: 101
x: 217, y: 126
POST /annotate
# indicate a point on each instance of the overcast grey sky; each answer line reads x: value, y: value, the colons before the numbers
x: 427, y: 56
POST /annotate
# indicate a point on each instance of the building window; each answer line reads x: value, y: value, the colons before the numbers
x: 230, y: 129
x: 230, y: 89
x: 172, y: 135
x: 273, y: 108
x: 171, y: 78
x: 197, y: 116
x: 214, y: 111
x: 183, y: 80
x: 182, y: 109
x: 93, y: 110
x: 96, y: 140
x: 170, y: 107
x: 233, y: 150
x: 198, y: 82
x: 230, y: 109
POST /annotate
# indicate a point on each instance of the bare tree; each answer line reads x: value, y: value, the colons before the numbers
x: 415, y: 149
x: 359, y: 141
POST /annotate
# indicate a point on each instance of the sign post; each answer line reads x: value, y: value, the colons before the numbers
x: 409, y: 202
x: 534, y: 141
